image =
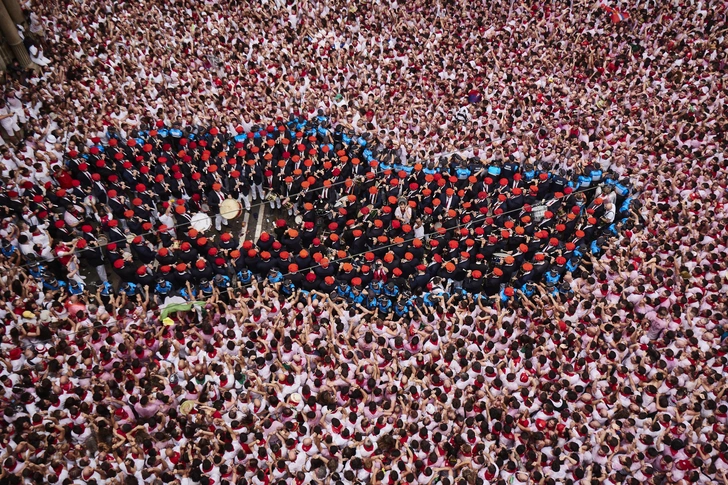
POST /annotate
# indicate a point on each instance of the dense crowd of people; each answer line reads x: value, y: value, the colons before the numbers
x: 498, y: 252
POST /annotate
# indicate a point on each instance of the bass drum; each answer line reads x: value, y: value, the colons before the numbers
x: 231, y: 209
x: 201, y: 222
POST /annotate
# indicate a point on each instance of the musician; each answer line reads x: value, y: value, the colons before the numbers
x: 124, y: 270
x: 394, y: 190
x: 182, y: 277
x: 528, y: 226
x: 238, y: 189
x: 166, y: 256
x: 516, y: 201
x: 142, y: 249
x: 310, y: 232
x: 200, y: 270
x: 145, y: 180
x: 98, y: 189
x: 548, y: 222
x: 531, y: 196
x: 227, y: 242
x: 133, y: 222
x: 60, y: 198
x: 251, y: 260
x: 266, y: 264
x: 265, y: 242
x: 349, y: 188
x: 408, y: 264
x: 303, y: 260
x: 214, y: 199
x: 177, y: 186
x: 305, y: 196
x: 292, y: 241
x: 326, y: 196
x: 94, y: 256
x: 255, y: 175
x: 187, y: 253
x: 145, y: 277
x: 571, y: 222
x: 555, y: 202
x: 143, y: 210
x: 289, y: 192
x: 115, y: 234
x: 296, y: 164
x: 161, y: 187
x: 375, y: 197
x: 128, y: 173
x: 449, y: 200
x: 270, y: 182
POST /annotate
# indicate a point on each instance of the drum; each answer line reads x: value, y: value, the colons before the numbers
x: 538, y: 211
x: 201, y: 222
x: 231, y: 209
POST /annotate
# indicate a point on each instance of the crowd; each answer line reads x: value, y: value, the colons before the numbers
x: 498, y: 252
